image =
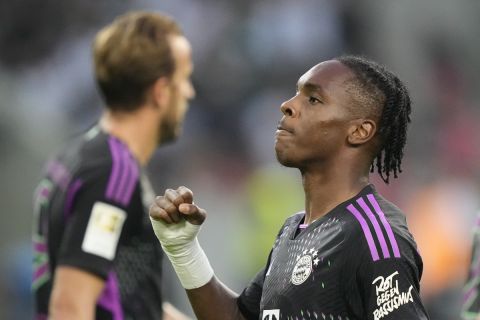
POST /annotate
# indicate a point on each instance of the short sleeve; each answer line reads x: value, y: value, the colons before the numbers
x: 93, y: 224
x: 249, y: 301
x: 386, y: 288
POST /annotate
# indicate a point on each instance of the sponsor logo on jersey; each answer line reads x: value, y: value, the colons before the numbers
x: 389, y: 297
x: 273, y: 314
x: 304, y: 266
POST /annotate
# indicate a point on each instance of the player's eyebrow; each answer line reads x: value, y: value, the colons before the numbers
x: 311, y: 87
x: 314, y: 87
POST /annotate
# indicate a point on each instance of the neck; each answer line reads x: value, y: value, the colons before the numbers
x: 135, y: 129
x: 326, y: 189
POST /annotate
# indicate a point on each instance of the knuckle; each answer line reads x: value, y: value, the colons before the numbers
x: 159, y: 201
x: 164, y: 202
x: 178, y: 200
x: 171, y: 208
x: 184, y: 189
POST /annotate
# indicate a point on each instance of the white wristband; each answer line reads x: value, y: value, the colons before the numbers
x: 191, y: 265
x: 181, y: 246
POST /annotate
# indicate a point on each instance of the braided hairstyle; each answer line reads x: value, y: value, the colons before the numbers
x: 376, y: 84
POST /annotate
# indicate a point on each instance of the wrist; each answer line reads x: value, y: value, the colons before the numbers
x: 190, y: 263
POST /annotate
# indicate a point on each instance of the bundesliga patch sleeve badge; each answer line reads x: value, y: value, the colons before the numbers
x: 103, y: 230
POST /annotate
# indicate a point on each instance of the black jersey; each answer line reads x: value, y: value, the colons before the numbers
x: 91, y: 212
x: 359, y: 261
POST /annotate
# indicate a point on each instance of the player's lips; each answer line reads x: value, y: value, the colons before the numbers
x: 282, y: 129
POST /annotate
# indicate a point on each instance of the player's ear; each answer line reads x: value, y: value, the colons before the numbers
x: 361, y: 131
x: 160, y: 91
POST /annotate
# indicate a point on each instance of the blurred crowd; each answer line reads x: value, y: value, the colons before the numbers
x: 248, y: 56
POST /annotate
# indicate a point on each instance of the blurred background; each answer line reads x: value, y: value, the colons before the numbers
x: 248, y: 57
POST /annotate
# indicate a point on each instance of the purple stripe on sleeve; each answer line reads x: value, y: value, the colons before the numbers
x: 71, y: 192
x: 472, y: 291
x: 386, y: 225
x: 59, y: 174
x: 110, y: 297
x: 40, y: 247
x: 44, y: 192
x: 366, y: 231
x: 127, y: 195
x: 125, y: 177
x: 40, y: 271
x: 116, y: 166
x: 376, y: 226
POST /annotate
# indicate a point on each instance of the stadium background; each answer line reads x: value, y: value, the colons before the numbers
x: 248, y: 56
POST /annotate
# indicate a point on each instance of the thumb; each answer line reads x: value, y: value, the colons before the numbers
x: 192, y: 213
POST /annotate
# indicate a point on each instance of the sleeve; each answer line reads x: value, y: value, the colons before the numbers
x: 93, y: 224
x: 389, y: 288
x: 249, y: 300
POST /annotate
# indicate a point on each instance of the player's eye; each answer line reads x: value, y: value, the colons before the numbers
x: 313, y: 100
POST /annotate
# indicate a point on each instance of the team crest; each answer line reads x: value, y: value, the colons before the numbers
x: 304, y: 266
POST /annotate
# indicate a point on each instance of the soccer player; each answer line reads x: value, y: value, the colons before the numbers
x: 96, y: 256
x: 349, y: 255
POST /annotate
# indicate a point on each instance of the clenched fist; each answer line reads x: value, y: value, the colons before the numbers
x: 176, y: 222
x: 175, y: 206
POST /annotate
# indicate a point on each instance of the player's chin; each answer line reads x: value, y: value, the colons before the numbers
x: 283, y: 158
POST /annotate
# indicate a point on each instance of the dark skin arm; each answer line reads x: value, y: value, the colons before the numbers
x: 213, y: 300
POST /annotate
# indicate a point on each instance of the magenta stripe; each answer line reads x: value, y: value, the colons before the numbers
x: 366, y: 231
x: 469, y: 293
x: 59, y: 174
x: 386, y: 225
x: 376, y: 226
x: 125, y: 176
x: 132, y: 183
x: 476, y: 270
x: 40, y: 271
x: 44, y: 192
x: 40, y: 247
x: 110, y: 298
x: 113, y: 180
x: 71, y: 192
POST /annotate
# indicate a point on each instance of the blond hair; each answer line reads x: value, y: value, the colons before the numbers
x: 130, y: 54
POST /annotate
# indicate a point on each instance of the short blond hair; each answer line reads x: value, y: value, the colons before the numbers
x: 130, y: 54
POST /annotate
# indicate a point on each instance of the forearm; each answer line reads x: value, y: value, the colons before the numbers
x: 176, y: 222
x: 172, y: 313
x: 64, y: 310
x: 214, y: 301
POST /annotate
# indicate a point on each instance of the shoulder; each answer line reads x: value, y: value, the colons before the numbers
x: 103, y: 154
x: 292, y: 221
x: 108, y: 159
x: 377, y: 226
x: 99, y: 161
x: 290, y: 224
